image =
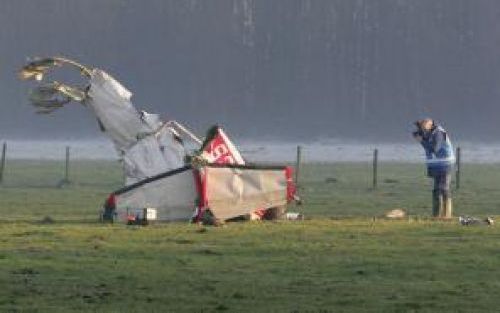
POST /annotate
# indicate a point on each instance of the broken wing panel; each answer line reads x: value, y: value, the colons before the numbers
x: 233, y: 192
x: 172, y: 149
x: 172, y: 194
x: 146, y: 152
x: 147, y: 147
x: 111, y: 104
x: 152, y: 155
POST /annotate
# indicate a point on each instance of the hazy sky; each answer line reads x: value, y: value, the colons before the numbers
x: 361, y: 69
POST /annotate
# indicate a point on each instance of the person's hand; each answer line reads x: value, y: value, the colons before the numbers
x: 418, y: 136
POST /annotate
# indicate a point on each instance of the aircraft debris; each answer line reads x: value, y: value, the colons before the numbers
x: 161, y: 175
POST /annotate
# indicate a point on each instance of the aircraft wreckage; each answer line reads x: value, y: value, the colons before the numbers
x: 164, y: 181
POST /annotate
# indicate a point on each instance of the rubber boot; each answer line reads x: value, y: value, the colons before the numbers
x: 437, y: 200
x: 447, y: 207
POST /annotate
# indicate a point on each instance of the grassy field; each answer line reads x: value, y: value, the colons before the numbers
x: 344, y: 259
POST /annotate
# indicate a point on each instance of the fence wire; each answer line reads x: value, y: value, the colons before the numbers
x: 32, y: 188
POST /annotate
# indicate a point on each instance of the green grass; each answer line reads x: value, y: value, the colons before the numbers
x: 30, y: 189
x: 342, y: 260
x: 400, y: 186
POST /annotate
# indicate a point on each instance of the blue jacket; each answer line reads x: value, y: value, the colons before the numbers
x: 439, y: 153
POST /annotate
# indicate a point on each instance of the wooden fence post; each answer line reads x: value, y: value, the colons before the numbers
x: 65, y: 181
x: 2, y: 164
x: 375, y: 168
x: 297, y: 165
x: 66, y: 172
x: 457, y: 173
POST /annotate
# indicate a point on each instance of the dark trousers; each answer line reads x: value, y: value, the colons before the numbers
x: 441, y: 195
x: 442, y: 182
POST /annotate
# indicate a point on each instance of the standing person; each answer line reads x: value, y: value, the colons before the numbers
x: 440, y: 160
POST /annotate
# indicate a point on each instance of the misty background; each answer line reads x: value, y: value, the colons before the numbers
x: 295, y: 70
